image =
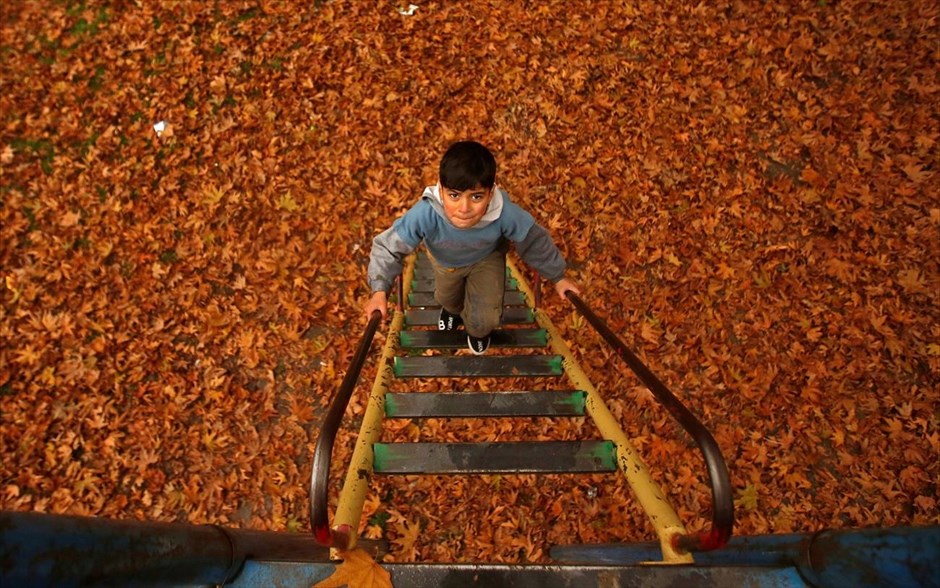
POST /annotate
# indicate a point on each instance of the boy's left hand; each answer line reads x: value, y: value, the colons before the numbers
x: 565, y: 285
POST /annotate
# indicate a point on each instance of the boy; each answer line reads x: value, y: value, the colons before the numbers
x: 466, y: 223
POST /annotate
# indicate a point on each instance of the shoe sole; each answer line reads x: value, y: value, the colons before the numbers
x: 474, y: 351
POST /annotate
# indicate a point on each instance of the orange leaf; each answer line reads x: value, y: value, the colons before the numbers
x: 359, y: 570
x: 409, y: 535
x: 813, y: 178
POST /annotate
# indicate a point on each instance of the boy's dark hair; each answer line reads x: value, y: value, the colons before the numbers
x: 466, y: 165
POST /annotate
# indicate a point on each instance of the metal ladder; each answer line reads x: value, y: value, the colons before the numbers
x: 525, y: 326
x: 69, y: 549
x: 58, y: 550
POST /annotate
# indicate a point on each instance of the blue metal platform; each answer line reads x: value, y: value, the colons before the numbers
x: 66, y: 551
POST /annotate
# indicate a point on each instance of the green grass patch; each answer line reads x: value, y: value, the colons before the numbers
x: 381, y: 519
x: 31, y: 217
x: 82, y: 242
x: 43, y: 149
x: 97, y: 80
x: 84, y: 27
x: 247, y: 15
x: 86, y: 145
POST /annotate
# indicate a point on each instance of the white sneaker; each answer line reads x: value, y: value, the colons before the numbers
x: 478, y: 345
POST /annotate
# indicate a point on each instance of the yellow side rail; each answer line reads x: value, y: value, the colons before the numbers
x: 664, y: 519
x: 353, y: 494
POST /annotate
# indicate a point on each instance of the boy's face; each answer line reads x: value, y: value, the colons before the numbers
x: 465, y: 209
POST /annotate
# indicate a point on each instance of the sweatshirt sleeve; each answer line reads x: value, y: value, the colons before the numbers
x: 539, y: 251
x: 386, y: 259
x: 390, y: 248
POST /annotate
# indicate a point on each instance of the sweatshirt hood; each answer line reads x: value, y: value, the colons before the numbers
x: 433, y: 195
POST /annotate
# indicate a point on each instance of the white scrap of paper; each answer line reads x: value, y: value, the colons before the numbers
x: 410, y: 11
x: 160, y: 127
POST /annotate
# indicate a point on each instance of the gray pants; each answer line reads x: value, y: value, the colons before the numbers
x: 475, y: 292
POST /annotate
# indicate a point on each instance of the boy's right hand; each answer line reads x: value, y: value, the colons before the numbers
x: 378, y: 301
x: 564, y: 285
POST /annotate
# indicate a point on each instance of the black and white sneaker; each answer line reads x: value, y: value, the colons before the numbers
x: 478, y: 345
x: 447, y: 321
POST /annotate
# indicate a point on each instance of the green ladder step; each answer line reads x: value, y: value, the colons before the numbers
x: 549, y: 403
x: 511, y: 316
x: 458, y: 339
x: 524, y: 457
x: 427, y: 299
x: 461, y: 366
x: 427, y: 285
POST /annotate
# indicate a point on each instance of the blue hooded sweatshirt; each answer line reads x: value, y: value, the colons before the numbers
x: 453, y: 247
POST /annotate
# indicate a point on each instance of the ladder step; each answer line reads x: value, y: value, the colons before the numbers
x: 547, y: 403
x: 511, y: 316
x: 458, y: 339
x: 478, y: 366
x: 427, y: 285
x: 526, y: 457
x: 427, y: 299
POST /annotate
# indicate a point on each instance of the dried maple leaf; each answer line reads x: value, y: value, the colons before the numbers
x: 747, y: 498
x: 409, y: 535
x: 357, y: 570
x: 912, y: 280
x: 69, y: 219
x: 915, y: 171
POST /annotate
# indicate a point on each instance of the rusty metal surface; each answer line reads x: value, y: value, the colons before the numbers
x: 896, y: 557
x: 463, y: 366
x: 485, y: 404
x: 41, y: 550
x: 38, y: 549
x: 485, y: 458
x: 458, y: 339
x: 536, y: 576
x: 760, y: 550
x: 873, y: 558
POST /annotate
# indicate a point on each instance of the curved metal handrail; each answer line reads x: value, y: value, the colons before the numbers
x: 322, y: 454
x: 720, y: 481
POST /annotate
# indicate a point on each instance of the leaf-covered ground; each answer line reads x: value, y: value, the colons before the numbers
x: 746, y: 190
